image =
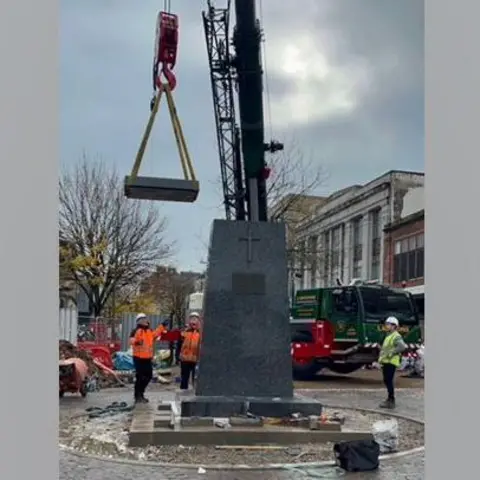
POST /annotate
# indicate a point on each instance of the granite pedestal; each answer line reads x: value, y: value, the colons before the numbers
x: 245, y: 363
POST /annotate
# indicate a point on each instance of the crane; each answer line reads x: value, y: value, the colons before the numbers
x: 235, y: 68
x: 241, y: 144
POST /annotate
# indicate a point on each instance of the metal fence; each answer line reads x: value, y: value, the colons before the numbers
x: 128, y: 323
x: 68, y: 325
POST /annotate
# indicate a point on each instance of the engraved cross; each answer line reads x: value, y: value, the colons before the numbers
x: 249, y: 239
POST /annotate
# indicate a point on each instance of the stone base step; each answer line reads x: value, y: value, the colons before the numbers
x: 240, y: 436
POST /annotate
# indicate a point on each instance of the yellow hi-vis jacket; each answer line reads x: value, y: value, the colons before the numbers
x: 391, y: 349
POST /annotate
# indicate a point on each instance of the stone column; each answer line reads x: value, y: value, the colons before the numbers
x: 381, y: 220
x: 366, y: 241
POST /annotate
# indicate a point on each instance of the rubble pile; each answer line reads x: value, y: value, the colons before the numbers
x: 103, y: 379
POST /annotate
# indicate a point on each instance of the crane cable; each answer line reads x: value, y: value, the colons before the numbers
x: 267, y: 88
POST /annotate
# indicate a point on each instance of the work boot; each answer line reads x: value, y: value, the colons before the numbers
x: 144, y: 400
x: 389, y: 403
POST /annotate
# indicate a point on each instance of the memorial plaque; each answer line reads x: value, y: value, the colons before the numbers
x: 248, y: 283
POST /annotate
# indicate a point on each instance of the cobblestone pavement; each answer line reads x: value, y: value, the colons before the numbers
x: 410, y: 402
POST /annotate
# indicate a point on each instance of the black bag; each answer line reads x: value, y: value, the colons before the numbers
x: 357, y: 455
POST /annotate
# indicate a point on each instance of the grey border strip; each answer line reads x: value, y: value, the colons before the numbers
x: 268, y: 466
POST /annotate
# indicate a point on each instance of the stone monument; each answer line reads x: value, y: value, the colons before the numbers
x: 245, y: 362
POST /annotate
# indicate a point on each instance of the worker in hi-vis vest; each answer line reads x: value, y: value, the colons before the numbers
x: 142, y: 341
x: 390, y: 359
x: 190, y: 350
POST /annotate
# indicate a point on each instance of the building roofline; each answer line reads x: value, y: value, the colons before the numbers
x: 413, y: 217
x: 391, y: 173
x: 354, y: 194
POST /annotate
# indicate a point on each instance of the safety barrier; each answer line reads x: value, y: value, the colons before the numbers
x: 68, y: 324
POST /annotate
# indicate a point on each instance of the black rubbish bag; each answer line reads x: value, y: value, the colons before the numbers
x: 358, y: 455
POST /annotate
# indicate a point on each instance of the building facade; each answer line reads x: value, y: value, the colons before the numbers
x: 404, y: 249
x: 293, y: 210
x: 344, y: 238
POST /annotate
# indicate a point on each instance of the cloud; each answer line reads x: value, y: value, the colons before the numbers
x: 344, y: 80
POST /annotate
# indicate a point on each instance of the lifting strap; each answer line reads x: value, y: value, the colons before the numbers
x: 185, y: 160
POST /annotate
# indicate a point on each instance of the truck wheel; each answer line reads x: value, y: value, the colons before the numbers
x: 305, y: 372
x: 345, y: 368
x: 83, y: 391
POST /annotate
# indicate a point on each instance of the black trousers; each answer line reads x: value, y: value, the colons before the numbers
x: 187, y: 371
x: 143, y: 375
x: 388, y: 371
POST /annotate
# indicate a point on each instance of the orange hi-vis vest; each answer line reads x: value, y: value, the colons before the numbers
x: 191, y: 346
x: 143, y: 341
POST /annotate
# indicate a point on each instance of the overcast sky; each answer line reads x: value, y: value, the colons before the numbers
x: 345, y: 79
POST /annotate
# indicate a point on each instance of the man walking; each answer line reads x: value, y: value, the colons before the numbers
x: 390, y: 359
x: 190, y: 351
x: 142, y: 340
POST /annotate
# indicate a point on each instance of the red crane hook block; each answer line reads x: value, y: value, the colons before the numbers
x: 169, y: 76
x: 166, y: 46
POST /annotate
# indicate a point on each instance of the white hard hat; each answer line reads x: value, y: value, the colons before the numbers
x: 195, y: 314
x: 392, y: 321
x: 140, y: 316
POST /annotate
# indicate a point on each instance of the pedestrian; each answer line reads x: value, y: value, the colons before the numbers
x: 190, y: 351
x: 390, y: 359
x: 142, y: 340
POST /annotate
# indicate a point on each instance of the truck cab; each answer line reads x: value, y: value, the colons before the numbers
x: 342, y: 328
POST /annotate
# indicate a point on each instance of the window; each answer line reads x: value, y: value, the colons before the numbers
x: 375, y: 245
x: 357, y: 240
x: 326, y: 258
x: 301, y: 272
x: 357, y: 247
x: 312, y: 254
x: 380, y: 303
x: 357, y: 271
x: 420, y: 304
x: 375, y: 271
x: 398, y: 248
x: 345, y: 301
x: 336, y: 248
x: 408, y: 259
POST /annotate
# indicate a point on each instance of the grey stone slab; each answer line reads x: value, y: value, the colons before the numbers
x: 246, y: 332
x: 162, y: 421
x: 203, y: 406
x: 162, y: 189
x: 249, y: 436
x: 196, y: 421
x: 246, y: 422
x: 165, y: 407
x: 141, y: 438
x: 284, y: 407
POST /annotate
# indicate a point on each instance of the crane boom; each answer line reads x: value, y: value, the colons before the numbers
x: 247, y: 42
x: 241, y: 148
x: 216, y: 22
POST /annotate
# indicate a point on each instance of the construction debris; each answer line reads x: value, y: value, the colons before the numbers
x: 104, y: 378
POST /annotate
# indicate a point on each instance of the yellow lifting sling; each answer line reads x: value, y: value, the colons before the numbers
x: 154, y: 188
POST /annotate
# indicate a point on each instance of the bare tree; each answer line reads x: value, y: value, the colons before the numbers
x: 170, y: 290
x: 293, y: 198
x: 294, y: 175
x: 109, y: 242
x: 294, y: 183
